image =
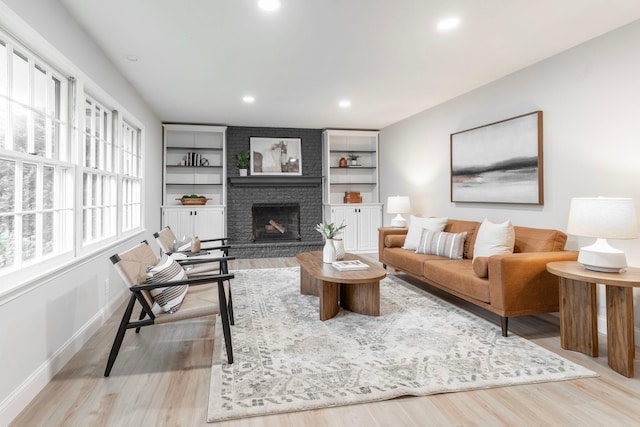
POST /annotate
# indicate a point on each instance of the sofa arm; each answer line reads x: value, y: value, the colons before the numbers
x: 396, y: 238
x: 519, y: 283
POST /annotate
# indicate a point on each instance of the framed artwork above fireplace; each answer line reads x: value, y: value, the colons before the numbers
x: 275, y: 156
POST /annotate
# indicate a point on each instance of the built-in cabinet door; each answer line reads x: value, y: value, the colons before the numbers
x: 369, y: 220
x: 180, y: 220
x: 362, y: 221
x: 206, y: 223
x: 346, y: 216
x: 209, y: 223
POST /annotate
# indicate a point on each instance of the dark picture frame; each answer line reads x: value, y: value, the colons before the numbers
x: 275, y: 156
x: 499, y: 162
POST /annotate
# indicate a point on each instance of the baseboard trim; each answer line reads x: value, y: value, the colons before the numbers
x: 18, y: 400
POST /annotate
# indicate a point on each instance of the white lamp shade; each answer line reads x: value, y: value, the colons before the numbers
x: 398, y: 204
x: 603, y: 217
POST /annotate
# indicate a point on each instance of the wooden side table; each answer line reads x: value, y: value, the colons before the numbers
x: 578, y: 310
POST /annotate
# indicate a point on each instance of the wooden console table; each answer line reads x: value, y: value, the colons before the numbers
x: 578, y: 311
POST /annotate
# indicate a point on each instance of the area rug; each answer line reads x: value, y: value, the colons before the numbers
x: 286, y: 359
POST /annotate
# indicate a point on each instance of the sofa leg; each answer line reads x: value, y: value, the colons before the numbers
x: 504, y: 322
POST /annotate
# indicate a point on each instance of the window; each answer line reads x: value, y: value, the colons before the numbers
x: 131, y: 177
x: 36, y: 178
x: 41, y: 206
x: 99, y: 198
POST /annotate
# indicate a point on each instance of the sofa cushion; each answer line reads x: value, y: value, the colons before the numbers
x: 470, y: 227
x: 441, y: 243
x: 481, y: 266
x: 494, y: 239
x: 538, y: 240
x: 408, y: 261
x: 416, y: 225
x: 458, y: 275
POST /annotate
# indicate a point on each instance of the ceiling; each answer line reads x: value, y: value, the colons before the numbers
x: 198, y: 58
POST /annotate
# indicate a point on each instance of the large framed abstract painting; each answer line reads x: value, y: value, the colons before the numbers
x: 499, y: 163
x: 275, y: 156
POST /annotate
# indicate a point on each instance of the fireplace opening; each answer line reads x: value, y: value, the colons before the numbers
x: 276, y: 222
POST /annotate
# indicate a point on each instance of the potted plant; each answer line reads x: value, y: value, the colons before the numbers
x: 242, y: 161
x: 354, y: 158
x: 329, y: 231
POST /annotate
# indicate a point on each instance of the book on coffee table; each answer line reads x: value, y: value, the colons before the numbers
x: 349, y: 265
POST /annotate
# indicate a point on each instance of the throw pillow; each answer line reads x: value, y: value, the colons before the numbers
x: 494, y: 239
x: 168, y: 299
x: 416, y: 225
x: 441, y: 243
x: 481, y: 266
x: 183, y: 244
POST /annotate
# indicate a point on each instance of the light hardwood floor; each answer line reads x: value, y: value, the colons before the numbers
x: 161, y: 378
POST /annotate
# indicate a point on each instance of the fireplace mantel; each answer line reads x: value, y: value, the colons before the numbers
x: 275, y: 181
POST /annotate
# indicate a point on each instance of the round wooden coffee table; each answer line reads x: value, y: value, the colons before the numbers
x: 357, y: 291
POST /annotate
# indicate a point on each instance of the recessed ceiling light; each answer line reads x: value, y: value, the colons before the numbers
x: 345, y: 103
x: 448, y: 24
x: 269, y: 5
x: 248, y: 99
x: 132, y: 58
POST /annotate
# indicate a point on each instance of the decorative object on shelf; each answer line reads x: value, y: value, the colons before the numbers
x: 354, y: 158
x: 343, y: 162
x: 603, y: 218
x: 193, y: 199
x: 352, y: 197
x: 242, y: 162
x: 194, y: 159
x: 329, y: 230
x: 499, y: 163
x: 275, y: 156
x: 398, y: 205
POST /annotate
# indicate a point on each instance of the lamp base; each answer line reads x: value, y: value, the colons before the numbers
x: 602, y: 257
x: 399, y: 222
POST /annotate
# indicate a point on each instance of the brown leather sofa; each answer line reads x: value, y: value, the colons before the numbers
x: 518, y: 284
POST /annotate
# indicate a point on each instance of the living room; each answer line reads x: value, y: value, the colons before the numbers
x: 589, y: 95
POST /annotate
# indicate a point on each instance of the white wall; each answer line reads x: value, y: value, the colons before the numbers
x: 590, y: 98
x: 44, y: 326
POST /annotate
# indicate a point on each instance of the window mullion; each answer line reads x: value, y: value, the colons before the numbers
x: 39, y: 211
x: 31, y: 145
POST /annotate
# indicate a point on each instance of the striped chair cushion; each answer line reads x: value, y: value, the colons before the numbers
x: 167, y: 270
x: 441, y: 243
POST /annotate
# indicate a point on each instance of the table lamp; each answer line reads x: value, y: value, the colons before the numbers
x: 398, y: 205
x: 603, y: 218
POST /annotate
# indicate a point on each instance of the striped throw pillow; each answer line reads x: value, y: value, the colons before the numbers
x: 167, y: 270
x: 441, y: 243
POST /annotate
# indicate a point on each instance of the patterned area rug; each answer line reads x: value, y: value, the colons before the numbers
x: 287, y: 360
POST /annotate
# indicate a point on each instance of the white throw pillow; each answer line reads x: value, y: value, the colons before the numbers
x: 494, y: 239
x: 416, y: 225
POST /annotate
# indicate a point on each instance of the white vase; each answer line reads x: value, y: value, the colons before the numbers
x: 328, y: 252
x: 338, y: 244
x: 243, y: 171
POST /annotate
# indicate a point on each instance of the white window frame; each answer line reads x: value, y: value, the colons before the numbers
x: 71, y: 148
